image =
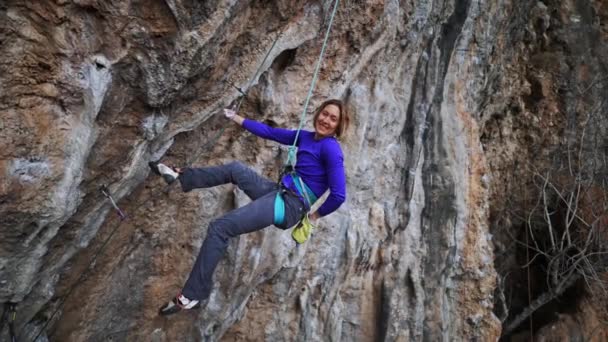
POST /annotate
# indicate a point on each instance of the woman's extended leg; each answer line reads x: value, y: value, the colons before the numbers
x: 254, y: 216
x: 254, y: 185
x: 251, y: 217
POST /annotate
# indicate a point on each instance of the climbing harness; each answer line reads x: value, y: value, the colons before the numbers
x: 279, y: 207
x: 303, y: 192
x: 288, y: 169
x: 303, y: 189
x: 106, y: 193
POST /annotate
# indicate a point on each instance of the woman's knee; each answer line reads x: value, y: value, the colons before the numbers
x: 216, y: 231
x: 236, y: 166
x: 238, y: 172
x: 222, y: 229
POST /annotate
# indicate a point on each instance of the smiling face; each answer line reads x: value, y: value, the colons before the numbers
x: 327, y: 121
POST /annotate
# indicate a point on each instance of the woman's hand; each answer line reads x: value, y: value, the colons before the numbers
x: 232, y: 115
x: 229, y: 113
x: 313, y: 216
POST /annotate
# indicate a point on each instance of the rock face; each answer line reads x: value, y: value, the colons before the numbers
x: 90, y: 91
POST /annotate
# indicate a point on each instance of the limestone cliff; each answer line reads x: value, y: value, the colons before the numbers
x: 445, y: 97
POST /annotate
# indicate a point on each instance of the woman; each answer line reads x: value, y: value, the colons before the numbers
x: 319, y: 167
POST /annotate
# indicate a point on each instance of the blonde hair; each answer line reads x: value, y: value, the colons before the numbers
x: 344, y: 120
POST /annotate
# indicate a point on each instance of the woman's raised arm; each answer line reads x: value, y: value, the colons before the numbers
x: 280, y: 135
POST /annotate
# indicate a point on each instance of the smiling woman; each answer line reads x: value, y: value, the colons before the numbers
x: 319, y: 167
x: 331, y: 118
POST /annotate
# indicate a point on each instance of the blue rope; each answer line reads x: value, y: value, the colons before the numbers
x: 291, y: 155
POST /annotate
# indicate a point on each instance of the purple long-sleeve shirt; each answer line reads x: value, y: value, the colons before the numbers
x: 320, y: 163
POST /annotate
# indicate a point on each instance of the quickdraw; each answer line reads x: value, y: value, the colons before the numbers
x: 10, y: 310
x: 106, y: 192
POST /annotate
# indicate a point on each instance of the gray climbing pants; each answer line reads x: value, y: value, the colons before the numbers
x: 254, y: 216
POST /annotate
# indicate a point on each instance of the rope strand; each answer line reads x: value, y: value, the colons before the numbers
x: 291, y: 154
x: 104, y: 190
x: 236, y: 108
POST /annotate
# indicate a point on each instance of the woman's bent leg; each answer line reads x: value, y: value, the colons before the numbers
x: 254, y: 185
x: 251, y: 217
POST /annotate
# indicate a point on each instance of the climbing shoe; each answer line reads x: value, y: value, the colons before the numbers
x: 178, y: 303
x: 302, y: 231
x: 168, y: 173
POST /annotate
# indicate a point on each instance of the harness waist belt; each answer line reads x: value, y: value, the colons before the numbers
x: 303, y: 189
x: 279, y: 202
